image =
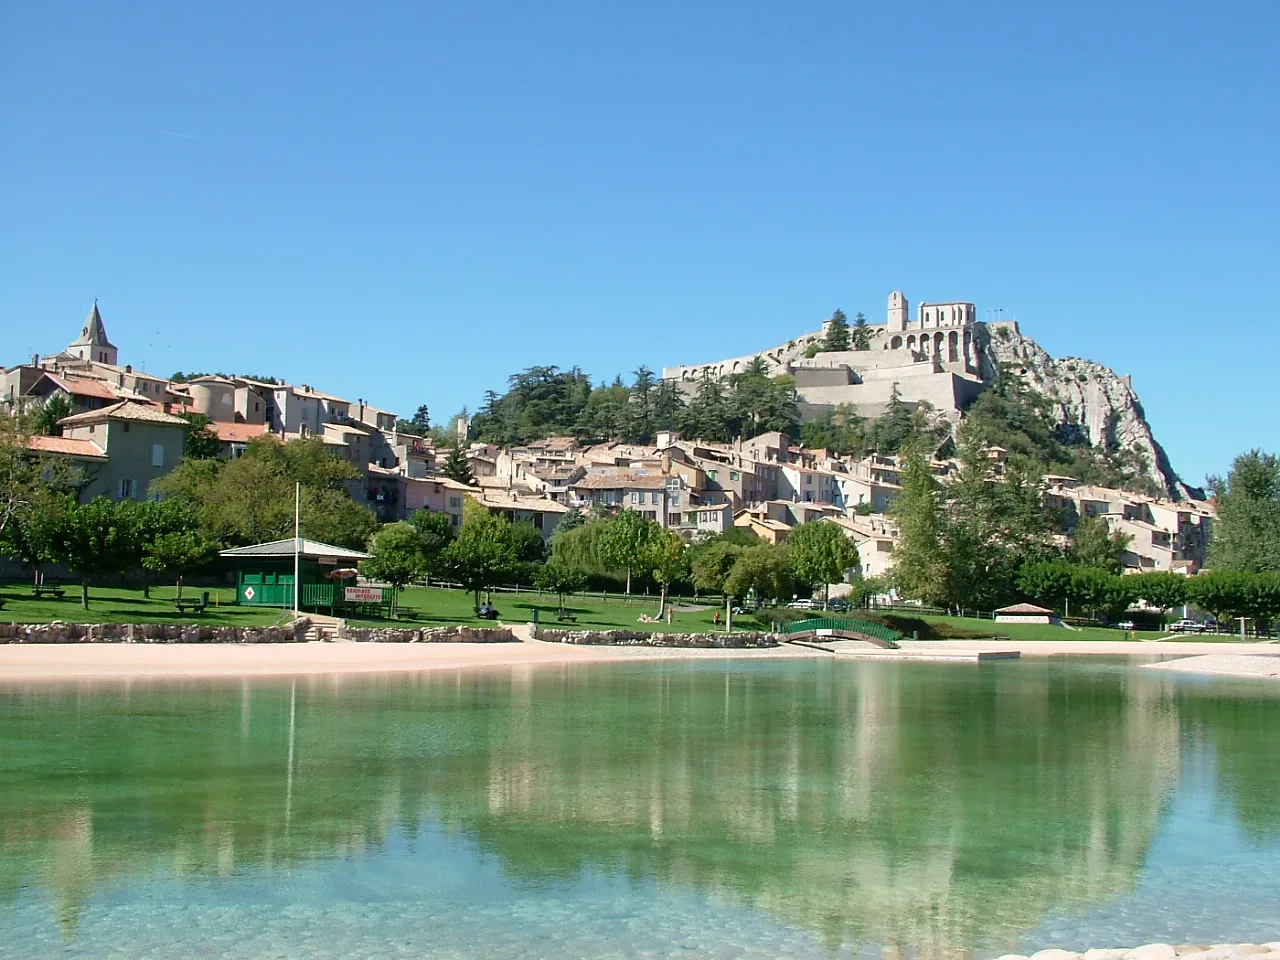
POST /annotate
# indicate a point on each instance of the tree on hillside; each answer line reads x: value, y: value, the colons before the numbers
x: 667, y: 404
x: 96, y: 538
x: 892, y: 429
x: 919, y: 567
x: 837, y: 337
x: 200, y: 443
x: 706, y: 416
x: 606, y: 412
x: 665, y: 559
x: 457, y: 468
x: 395, y: 557
x: 821, y: 553
x: 861, y: 334
x: 559, y: 578
x: 1246, y: 535
x: 251, y: 499
x: 51, y: 413
x: 639, y: 428
x: 840, y: 430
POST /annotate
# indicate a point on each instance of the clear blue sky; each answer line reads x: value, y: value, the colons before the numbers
x: 406, y: 202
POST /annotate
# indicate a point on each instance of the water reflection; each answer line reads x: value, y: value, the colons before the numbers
x: 925, y: 808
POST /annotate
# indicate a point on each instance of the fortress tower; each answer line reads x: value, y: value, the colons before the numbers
x: 897, y: 311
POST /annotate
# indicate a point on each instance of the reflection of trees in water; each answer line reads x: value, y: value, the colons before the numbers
x: 926, y: 808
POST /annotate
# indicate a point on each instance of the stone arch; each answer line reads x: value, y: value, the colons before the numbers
x: 911, y: 342
x: 953, y: 346
x: 895, y: 343
x: 938, y: 339
x: 737, y: 365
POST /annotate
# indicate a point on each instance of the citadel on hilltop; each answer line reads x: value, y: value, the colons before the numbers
x: 935, y: 358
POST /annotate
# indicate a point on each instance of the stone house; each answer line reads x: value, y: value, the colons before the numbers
x: 141, y: 444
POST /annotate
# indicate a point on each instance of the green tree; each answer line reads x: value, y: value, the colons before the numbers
x: 200, y: 443
x: 435, y: 532
x: 1099, y: 592
x: 861, y: 334
x: 624, y: 544
x: 559, y: 578
x: 177, y: 553
x: 51, y: 413
x: 821, y: 553
x: 640, y: 426
x: 707, y: 415
x: 396, y: 557
x: 766, y: 569
x: 29, y: 535
x: 456, y: 467
x: 1094, y: 545
x: 1160, y: 589
x: 485, y: 552
x: 920, y: 566
x: 1246, y: 535
x: 1047, y: 582
x: 96, y: 538
x: 837, y: 337
x: 665, y: 559
x: 712, y: 563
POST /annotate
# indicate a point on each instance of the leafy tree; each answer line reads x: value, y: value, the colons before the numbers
x: 707, y: 415
x: 201, y: 443
x: 435, y: 532
x: 1047, y: 582
x: 485, y: 552
x: 251, y: 499
x: 396, y: 557
x: 766, y: 569
x: 1161, y: 589
x: 625, y: 541
x: 21, y: 486
x: 177, y: 553
x: 840, y: 430
x: 540, y: 401
x: 664, y: 556
x: 861, y: 334
x: 1231, y: 594
x: 1094, y: 545
x: 559, y: 578
x: 920, y: 567
x: 821, y: 553
x: 29, y: 535
x: 1246, y: 535
x: 1100, y: 592
x: 837, y: 338
x: 712, y: 563
x: 51, y: 413
x: 421, y: 420
x: 568, y: 523
x: 457, y: 468
x: 667, y: 404
x: 895, y: 427
x: 96, y: 538
x: 583, y: 547
x: 640, y: 424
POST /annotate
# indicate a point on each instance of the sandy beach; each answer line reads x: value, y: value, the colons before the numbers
x: 30, y: 662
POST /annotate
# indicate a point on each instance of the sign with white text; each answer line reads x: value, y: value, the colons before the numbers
x: 364, y: 594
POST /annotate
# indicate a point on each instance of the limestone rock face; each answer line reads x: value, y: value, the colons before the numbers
x: 1087, y: 396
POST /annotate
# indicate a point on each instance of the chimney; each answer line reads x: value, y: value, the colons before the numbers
x: 35, y: 359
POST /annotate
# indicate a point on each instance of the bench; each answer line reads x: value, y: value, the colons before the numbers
x: 567, y: 618
x: 192, y: 604
x: 41, y: 591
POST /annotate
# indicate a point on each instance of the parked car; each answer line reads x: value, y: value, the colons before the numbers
x: 1125, y: 625
x: 838, y: 605
x: 1187, y: 626
x: 801, y: 603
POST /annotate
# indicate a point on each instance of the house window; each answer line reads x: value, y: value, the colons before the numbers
x: 537, y: 521
x: 711, y: 474
x: 637, y: 497
x: 157, y: 455
x: 675, y: 500
x: 126, y: 489
x: 455, y: 501
x: 733, y: 474
x: 653, y: 497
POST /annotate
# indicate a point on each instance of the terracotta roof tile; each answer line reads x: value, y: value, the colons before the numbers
x: 66, y: 447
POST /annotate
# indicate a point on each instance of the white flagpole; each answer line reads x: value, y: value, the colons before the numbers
x: 297, y: 540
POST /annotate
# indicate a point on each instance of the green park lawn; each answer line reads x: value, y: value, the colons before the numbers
x: 123, y: 605
x: 1036, y: 631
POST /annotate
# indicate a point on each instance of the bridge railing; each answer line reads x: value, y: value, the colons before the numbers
x: 868, y: 629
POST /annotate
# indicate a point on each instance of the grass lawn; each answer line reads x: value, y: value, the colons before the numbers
x: 1039, y: 631
x: 432, y: 606
x: 115, y: 605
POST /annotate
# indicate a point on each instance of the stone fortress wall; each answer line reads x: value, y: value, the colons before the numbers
x: 935, y: 358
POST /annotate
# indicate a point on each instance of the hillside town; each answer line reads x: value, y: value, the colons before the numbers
x: 126, y: 429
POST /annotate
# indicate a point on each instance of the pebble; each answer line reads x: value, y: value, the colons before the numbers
x: 1098, y: 954
x: 1055, y: 955
x: 1163, y: 951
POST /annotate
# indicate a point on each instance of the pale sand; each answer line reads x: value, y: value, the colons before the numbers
x: 1226, y: 664
x: 21, y: 662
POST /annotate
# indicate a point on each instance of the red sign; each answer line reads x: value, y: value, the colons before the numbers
x: 364, y: 594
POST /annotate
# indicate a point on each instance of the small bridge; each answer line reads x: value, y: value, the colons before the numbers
x: 805, y: 632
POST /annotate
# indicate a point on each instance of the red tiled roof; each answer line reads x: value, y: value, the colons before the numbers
x: 621, y: 481
x: 65, y: 447
x: 238, y: 432
x: 80, y: 387
x: 1024, y: 608
x: 125, y: 410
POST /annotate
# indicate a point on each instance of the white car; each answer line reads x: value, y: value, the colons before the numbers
x: 802, y: 603
x: 1187, y: 626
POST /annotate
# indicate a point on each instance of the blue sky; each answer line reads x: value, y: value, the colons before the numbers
x: 407, y: 202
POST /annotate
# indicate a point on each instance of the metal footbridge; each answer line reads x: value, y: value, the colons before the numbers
x: 806, y: 632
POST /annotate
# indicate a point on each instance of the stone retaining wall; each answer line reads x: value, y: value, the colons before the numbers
x: 631, y: 638
x: 58, y: 632
x: 457, y: 634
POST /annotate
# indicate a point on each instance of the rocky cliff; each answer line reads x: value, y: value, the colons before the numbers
x: 1085, y: 395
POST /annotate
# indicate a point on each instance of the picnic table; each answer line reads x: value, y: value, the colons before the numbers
x: 40, y: 590
x: 192, y: 604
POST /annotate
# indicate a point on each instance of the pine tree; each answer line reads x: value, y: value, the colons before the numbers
x: 837, y: 332
x: 919, y: 566
x: 861, y: 333
x: 456, y: 467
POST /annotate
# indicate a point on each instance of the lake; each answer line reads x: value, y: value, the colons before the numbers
x: 764, y: 809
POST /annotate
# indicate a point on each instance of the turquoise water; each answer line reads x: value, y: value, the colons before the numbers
x: 789, y: 809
